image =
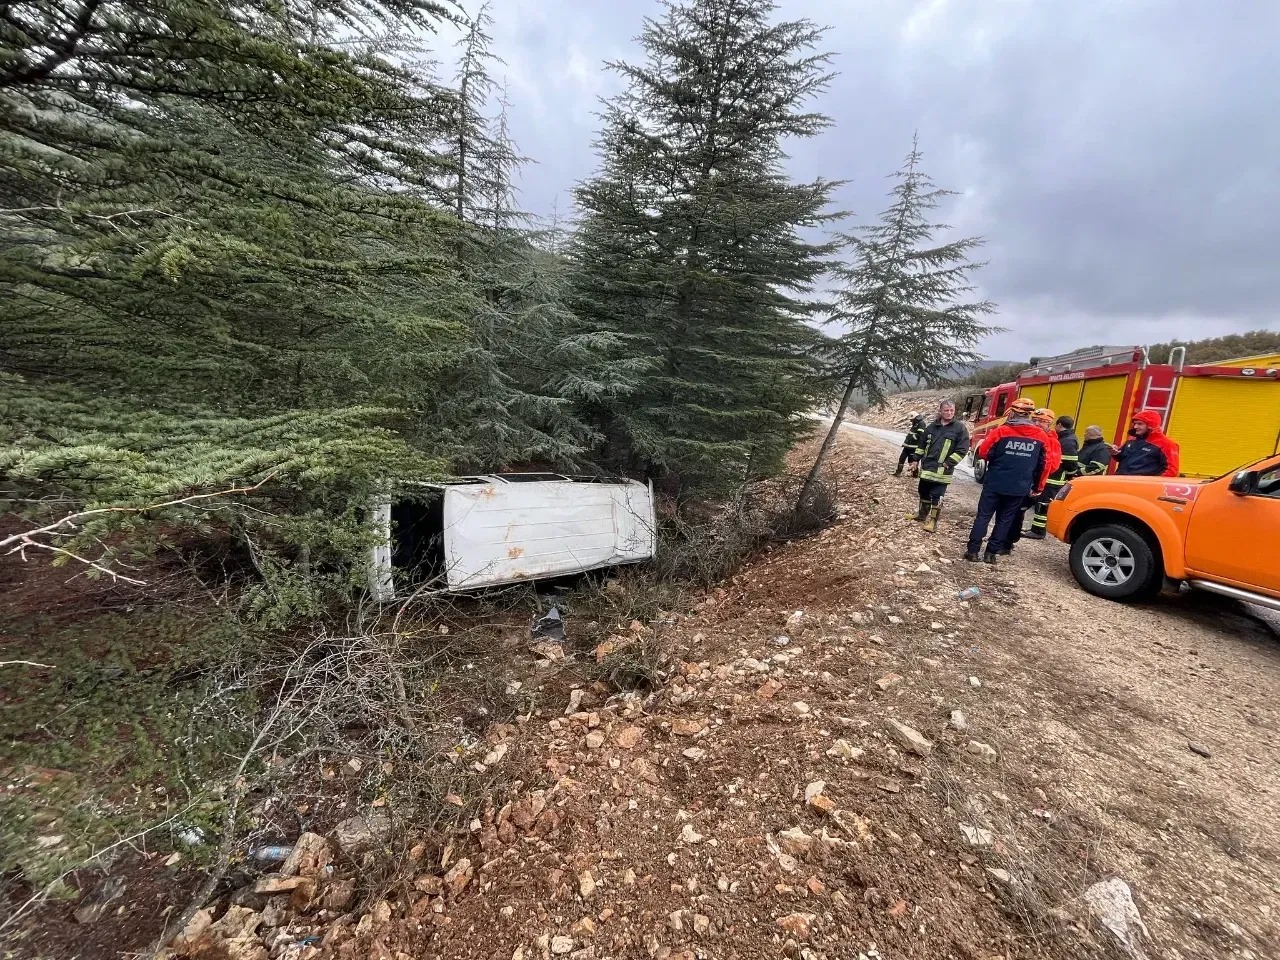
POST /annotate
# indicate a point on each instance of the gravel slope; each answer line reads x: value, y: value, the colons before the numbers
x: 1075, y: 758
x: 1098, y: 704
x: 850, y: 763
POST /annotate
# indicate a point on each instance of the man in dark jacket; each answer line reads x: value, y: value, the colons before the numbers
x: 1150, y: 453
x: 1020, y: 459
x: 1065, y: 428
x: 915, y: 433
x: 944, y: 444
x: 1095, y: 455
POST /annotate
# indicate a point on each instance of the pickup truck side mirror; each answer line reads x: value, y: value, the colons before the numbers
x: 1244, y: 482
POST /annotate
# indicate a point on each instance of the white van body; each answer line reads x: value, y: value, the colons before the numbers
x: 504, y: 529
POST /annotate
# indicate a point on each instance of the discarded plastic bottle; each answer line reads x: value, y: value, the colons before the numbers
x: 968, y: 593
x: 272, y: 854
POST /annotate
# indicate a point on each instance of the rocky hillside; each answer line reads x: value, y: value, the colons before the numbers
x: 897, y: 409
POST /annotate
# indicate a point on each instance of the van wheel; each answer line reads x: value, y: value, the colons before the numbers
x: 1116, y: 562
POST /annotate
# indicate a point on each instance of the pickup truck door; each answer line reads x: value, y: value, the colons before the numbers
x: 1232, y: 537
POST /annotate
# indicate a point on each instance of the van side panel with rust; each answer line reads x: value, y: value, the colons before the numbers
x: 504, y: 533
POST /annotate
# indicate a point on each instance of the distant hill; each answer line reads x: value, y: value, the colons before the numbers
x: 1213, y: 349
x: 990, y: 373
x: 981, y: 365
x: 962, y: 373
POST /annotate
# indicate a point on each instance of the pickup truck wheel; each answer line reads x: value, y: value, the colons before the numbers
x: 979, y: 468
x: 1116, y: 562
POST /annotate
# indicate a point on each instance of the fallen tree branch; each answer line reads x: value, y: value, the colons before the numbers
x: 43, y: 893
x: 26, y: 544
x: 26, y: 540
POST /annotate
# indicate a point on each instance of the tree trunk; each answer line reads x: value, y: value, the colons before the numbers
x: 807, y: 490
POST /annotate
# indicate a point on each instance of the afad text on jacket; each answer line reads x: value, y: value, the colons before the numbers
x: 1019, y: 458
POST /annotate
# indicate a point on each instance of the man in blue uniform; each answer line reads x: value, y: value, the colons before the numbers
x: 1020, y: 457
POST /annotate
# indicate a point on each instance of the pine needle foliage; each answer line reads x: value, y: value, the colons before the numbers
x: 507, y: 392
x: 906, y: 309
x: 695, y: 249
x: 227, y: 250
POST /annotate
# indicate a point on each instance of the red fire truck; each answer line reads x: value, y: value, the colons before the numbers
x: 1222, y: 415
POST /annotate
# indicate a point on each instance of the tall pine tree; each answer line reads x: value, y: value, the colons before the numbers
x: 694, y: 246
x: 505, y: 393
x: 905, y: 306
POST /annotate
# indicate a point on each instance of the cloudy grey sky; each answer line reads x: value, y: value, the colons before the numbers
x: 1122, y: 157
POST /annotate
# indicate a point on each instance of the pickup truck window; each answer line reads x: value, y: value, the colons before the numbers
x: 1269, y: 484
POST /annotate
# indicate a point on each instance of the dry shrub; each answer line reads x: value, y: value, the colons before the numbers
x: 369, y: 722
x: 818, y: 511
x: 707, y: 543
x: 638, y: 664
x: 1046, y: 867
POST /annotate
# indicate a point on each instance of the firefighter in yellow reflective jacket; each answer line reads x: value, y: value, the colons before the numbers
x: 944, y: 444
x: 1065, y: 428
x: 912, y: 440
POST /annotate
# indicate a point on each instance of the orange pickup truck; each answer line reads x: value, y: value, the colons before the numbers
x: 1128, y: 534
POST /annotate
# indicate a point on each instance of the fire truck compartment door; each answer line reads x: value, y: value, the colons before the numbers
x: 1223, y: 423
x: 1039, y: 395
x: 1064, y: 398
x: 1100, y: 404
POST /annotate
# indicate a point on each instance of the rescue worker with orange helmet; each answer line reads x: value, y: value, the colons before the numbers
x: 1021, y: 409
x: 1019, y: 462
x: 1043, y: 418
x: 1064, y: 428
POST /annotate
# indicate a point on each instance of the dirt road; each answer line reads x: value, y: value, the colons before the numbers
x: 1104, y: 701
x: 850, y: 763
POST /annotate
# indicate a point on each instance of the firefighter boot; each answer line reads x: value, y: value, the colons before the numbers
x: 920, y: 514
x: 1035, y: 533
x: 931, y: 525
x: 898, y: 472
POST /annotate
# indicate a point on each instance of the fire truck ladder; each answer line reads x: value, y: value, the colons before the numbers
x: 1159, y: 399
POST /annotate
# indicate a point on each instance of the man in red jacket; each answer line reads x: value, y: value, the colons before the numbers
x: 1149, y: 452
